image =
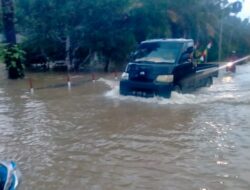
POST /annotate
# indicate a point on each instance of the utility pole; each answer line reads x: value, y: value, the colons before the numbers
x: 220, y: 40
x: 234, y: 7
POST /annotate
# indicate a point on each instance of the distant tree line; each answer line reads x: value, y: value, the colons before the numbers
x: 83, y: 31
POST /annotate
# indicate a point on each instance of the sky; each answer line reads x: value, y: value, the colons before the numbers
x: 245, y: 13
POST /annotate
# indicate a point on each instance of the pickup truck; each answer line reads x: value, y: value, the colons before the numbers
x: 161, y: 66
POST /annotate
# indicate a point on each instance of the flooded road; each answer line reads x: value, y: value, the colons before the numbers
x: 91, y: 138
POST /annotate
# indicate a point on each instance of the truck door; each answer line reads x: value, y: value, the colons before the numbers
x: 183, y: 68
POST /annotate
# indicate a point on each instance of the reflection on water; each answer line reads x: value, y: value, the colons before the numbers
x: 90, y: 137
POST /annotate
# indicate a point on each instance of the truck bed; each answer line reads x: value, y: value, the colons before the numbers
x: 204, y: 66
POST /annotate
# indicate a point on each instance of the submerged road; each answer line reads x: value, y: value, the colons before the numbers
x: 91, y: 138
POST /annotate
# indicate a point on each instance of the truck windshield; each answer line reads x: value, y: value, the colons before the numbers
x: 158, y: 52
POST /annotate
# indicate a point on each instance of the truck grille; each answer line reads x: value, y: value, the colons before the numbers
x: 140, y: 73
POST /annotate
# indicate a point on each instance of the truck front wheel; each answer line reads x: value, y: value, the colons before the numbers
x: 209, y: 82
x: 123, y: 91
x: 177, y: 88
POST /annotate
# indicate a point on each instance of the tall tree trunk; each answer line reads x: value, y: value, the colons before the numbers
x: 14, y: 66
x: 107, y: 63
x: 8, y: 21
x: 67, y: 49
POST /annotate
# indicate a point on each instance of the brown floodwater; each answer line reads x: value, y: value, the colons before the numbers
x: 89, y: 137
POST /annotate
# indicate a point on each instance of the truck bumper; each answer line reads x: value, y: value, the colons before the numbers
x: 145, y: 89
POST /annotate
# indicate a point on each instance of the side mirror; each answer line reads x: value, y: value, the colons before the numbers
x: 190, y: 50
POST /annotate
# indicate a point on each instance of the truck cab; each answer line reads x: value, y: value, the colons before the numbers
x: 160, y: 66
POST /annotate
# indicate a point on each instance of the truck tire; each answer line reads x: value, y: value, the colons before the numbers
x: 123, y: 92
x: 209, y: 82
x: 177, y: 88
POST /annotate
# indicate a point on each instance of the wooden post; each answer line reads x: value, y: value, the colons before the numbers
x: 31, y: 86
x: 68, y: 82
x: 93, y: 77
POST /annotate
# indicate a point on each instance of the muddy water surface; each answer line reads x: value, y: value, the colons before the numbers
x: 91, y: 138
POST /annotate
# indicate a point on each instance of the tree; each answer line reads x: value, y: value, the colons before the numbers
x: 13, y: 53
x: 80, y: 29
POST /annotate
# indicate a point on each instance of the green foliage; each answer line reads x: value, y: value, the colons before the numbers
x: 1, y: 53
x: 14, y: 52
x: 14, y: 57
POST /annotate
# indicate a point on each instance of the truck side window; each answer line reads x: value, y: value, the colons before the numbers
x: 185, y: 57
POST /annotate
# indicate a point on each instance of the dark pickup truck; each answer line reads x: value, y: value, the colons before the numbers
x: 161, y: 66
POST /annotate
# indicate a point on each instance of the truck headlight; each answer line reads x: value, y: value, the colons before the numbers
x: 125, y: 76
x: 165, y: 78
